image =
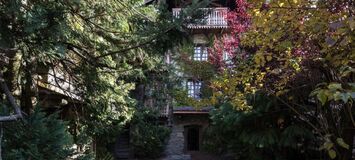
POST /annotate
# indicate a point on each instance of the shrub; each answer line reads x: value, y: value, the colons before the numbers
x: 148, y: 138
x: 37, y: 137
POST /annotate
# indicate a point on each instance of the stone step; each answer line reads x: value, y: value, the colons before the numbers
x: 122, y: 147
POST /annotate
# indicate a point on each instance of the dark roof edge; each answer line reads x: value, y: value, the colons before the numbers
x: 191, y: 112
x: 148, y: 2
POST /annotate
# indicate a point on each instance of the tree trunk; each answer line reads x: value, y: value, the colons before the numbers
x: 13, y: 68
x: 1, y: 135
x: 27, y: 93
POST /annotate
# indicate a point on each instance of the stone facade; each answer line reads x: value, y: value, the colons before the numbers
x: 176, y: 148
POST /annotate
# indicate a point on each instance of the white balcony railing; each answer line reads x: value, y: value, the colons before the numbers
x: 56, y: 81
x: 215, y: 18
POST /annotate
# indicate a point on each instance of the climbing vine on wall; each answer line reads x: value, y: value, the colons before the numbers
x: 194, y: 70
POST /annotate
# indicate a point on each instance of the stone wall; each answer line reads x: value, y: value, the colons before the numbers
x: 176, y: 147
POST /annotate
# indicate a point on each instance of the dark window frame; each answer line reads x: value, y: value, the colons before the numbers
x: 200, y: 53
x: 194, y: 89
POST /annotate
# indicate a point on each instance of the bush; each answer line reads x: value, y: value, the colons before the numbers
x: 268, y: 131
x: 148, y: 138
x: 37, y: 137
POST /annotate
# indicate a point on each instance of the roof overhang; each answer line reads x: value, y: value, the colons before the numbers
x: 191, y: 112
x: 148, y: 2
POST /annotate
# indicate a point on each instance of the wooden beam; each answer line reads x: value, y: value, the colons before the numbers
x: 190, y: 112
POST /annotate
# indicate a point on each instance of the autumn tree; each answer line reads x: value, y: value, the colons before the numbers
x: 300, y: 52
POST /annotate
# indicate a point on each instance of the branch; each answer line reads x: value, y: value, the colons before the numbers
x: 10, y: 118
x: 8, y: 51
x: 6, y: 54
x: 136, y: 46
x: 90, y: 59
x: 12, y: 102
x: 126, y: 49
x: 65, y: 91
x: 299, y: 114
x: 348, y: 106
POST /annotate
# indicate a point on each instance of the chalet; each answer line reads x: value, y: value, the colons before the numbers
x: 189, y: 123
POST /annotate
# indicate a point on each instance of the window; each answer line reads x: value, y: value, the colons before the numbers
x: 200, y: 53
x: 194, y: 89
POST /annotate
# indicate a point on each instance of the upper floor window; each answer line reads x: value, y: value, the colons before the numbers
x: 194, y: 89
x: 200, y: 53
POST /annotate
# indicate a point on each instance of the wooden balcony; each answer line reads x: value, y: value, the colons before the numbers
x: 57, y: 82
x: 214, y: 18
x: 162, y: 110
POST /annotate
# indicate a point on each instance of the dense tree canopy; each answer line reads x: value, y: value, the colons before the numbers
x: 287, y: 88
x: 102, y: 49
x: 302, y: 53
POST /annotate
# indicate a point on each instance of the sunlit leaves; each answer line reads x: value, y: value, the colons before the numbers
x: 334, y: 92
x: 340, y: 141
x: 332, y: 154
x: 301, y: 52
x: 329, y: 146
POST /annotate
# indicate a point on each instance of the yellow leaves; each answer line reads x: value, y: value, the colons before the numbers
x: 260, y: 76
x: 295, y: 63
x: 268, y: 58
x: 256, y: 12
x: 182, y: 98
x: 259, y: 59
x: 333, y: 92
x: 228, y: 87
x: 351, y: 23
x: 239, y: 102
x: 281, y: 92
x: 271, y: 13
x: 214, y: 100
x: 332, y: 154
x: 76, y: 23
x: 329, y: 146
x: 340, y: 142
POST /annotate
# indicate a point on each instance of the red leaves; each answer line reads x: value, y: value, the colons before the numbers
x: 238, y: 22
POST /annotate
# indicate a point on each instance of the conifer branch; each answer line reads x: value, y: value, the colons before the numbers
x: 11, y: 99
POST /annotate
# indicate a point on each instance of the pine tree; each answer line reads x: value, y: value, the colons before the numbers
x: 37, y: 137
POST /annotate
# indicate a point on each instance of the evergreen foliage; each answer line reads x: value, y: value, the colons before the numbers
x: 148, y: 137
x: 37, y: 137
x: 269, y: 131
x: 106, y: 48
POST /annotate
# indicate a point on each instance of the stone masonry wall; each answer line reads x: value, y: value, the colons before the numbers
x: 175, y: 149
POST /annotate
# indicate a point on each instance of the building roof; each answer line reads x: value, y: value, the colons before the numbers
x: 146, y: 2
x: 191, y: 110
